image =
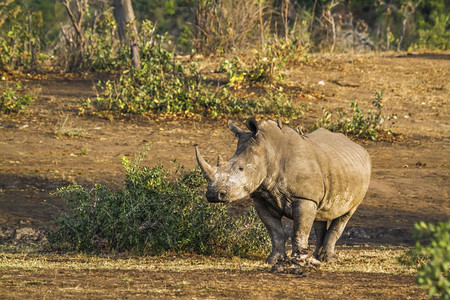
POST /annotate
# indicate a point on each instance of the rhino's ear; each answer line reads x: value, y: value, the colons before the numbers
x: 252, y: 125
x: 235, y: 129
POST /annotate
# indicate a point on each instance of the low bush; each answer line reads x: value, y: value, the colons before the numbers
x: 153, y: 214
x: 264, y: 66
x: 14, y: 99
x: 355, y: 122
x: 103, y: 50
x: 431, y: 254
x: 275, y: 104
x: 20, y: 45
x: 261, y: 69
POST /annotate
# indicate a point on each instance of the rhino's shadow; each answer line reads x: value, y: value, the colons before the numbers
x: 374, y: 226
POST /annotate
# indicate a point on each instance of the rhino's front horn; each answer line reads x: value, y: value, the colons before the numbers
x: 208, y: 171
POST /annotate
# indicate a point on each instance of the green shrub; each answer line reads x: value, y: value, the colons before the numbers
x: 433, y: 24
x: 152, y: 215
x: 164, y: 85
x: 355, y: 122
x: 19, y: 37
x: 432, y: 256
x: 14, y: 99
x: 161, y: 85
x: 275, y: 104
x: 104, y: 51
x: 264, y: 66
x: 435, y: 35
x: 261, y: 69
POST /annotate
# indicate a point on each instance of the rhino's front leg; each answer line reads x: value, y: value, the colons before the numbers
x: 303, y: 215
x: 272, y: 220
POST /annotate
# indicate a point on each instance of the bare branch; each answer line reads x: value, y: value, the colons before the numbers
x: 76, y: 22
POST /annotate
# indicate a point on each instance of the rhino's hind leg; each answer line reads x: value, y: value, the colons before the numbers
x: 272, y: 221
x: 332, y: 236
x: 320, y: 229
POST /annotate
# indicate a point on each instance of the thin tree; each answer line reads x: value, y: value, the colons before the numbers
x: 126, y: 24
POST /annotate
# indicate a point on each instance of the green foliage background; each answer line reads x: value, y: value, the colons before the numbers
x: 30, y: 30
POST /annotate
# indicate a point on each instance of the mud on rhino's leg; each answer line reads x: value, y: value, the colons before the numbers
x: 332, y: 235
x: 272, y: 220
x: 320, y: 229
x: 303, y: 215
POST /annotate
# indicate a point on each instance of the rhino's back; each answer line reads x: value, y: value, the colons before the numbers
x: 339, y: 147
x: 346, y: 168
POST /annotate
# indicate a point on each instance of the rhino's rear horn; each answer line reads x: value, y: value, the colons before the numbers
x: 219, y: 161
x: 208, y: 171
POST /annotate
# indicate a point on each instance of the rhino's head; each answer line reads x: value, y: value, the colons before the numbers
x: 237, y: 178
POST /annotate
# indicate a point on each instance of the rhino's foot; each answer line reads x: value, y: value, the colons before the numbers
x: 326, y: 256
x: 274, y: 258
x: 304, y: 257
x: 300, y: 254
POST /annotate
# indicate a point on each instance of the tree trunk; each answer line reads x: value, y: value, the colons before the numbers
x: 261, y: 24
x: 126, y: 23
x: 285, y: 18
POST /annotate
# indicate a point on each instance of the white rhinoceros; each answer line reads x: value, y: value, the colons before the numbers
x: 315, y: 178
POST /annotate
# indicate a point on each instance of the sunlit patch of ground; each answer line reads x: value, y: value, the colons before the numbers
x: 360, y: 273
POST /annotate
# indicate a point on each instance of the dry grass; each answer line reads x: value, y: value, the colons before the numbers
x: 66, y: 128
x: 369, y: 260
x: 354, y: 259
x: 33, y: 261
x: 358, y: 273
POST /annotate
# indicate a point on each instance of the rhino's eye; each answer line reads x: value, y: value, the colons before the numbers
x: 241, y: 168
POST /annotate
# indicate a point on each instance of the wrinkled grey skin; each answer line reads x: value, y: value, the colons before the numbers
x: 318, y: 179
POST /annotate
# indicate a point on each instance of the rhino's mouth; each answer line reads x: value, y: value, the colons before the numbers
x: 217, y: 197
x: 214, y: 200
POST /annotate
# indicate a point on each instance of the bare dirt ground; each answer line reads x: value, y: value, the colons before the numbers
x: 410, y: 176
